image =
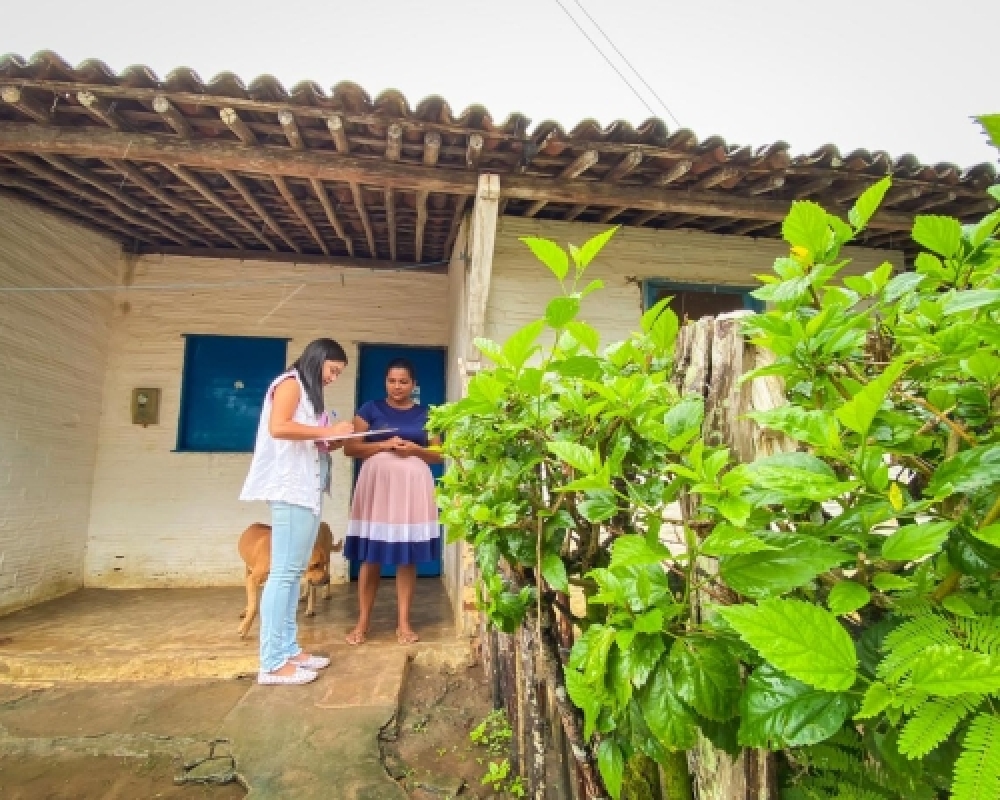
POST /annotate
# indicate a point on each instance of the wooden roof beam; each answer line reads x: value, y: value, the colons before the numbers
x: 55, y: 200
x: 432, y: 151
x: 283, y: 257
x: 394, y: 141
x: 291, y: 129
x: 335, y: 124
x: 574, y: 212
x: 742, y: 228
x: 573, y: 170
x: 205, y: 191
x: 934, y: 202
x: 359, y: 203
x: 138, y: 177
x: 474, y: 150
x: 113, y: 206
x: 103, y: 109
x: 13, y: 96
x: 456, y: 223
x: 813, y: 187
x: 768, y: 184
x: 393, y: 151
x: 645, y: 218
x: 259, y: 210
x: 628, y: 163
x: 680, y: 219
x: 716, y: 177
x: 902, y: 194
x: 331, y: 214
x: 675, y: 173
x: 174, y: 118
x: 86, y: 176
x: 611, y: 213
x: 95, y: 143
x: 238, y: 126
x: 300, y: 212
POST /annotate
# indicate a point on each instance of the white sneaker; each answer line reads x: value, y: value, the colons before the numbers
x: 313, y: 662
x: 300, y: 676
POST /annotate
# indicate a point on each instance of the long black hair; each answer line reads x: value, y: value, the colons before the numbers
x: 309, y: 365
x: 402, y: 363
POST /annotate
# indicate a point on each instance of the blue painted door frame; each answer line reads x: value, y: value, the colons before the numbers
x: 651, y: 287
x: 430, y: 364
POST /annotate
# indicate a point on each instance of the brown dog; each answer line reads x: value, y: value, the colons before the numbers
x: 255, y: 550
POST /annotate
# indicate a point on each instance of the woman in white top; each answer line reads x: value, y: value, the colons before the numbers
x: 290, y: 471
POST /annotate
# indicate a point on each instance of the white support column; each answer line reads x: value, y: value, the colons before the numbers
x: 480, y: 268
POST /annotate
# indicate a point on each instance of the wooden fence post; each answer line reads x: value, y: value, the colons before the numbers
x: 711, y: 358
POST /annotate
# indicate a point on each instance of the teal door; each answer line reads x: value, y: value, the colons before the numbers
x: 429, y: 362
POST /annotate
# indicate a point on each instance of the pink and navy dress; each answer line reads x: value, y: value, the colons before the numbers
x: 394, y: 515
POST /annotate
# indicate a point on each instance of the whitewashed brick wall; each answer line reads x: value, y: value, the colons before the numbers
x: 53, y: 349
x: 173, y: 519
x: 521, y: 286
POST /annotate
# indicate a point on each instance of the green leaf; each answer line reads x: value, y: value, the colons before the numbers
x: 777, y: 711
x: 706, y: 676
x: 667, y: 716
x: 806, y: 226
x: 890, y: 582
x: 948, y: 671
x: 984, y: 367
x: 800, y: 639
x: 916, y: 541
x: 902, y: 284
x: 959, y: 302
x: 818, y: 428
x: 649, y: 622
x: 642, y: 657
x: 876, y: 700
x: 728, y: 540
x: 958, y: 606
x: 968, y: 471
x: 550, y: 254
x: 636, y: 551
x: 941, y: 235
x: 593, y: 246
x: 491, y: 350
x: 858, y: 412
x: 775, y: 572
x: 991, y: 127
x: 521, y: 345
x: 662, y: 328
x: 585, y: 335
x: 554, y: 572
x: 847, y: 596
x: 561, y: 310
x: 797, y: 475
x: 867, y: 204
x: 990, y: 534
x: 611, y: 763
x: 576, y: 455
x: 599, y: 506
x: 585, y: 698
x: 591, y: 287
x: 977, y: 770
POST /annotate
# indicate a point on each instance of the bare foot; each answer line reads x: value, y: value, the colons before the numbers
x: 357, y: 637
x: 406, y: 636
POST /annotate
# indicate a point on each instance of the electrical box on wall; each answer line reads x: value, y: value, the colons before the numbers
x: 145, y: 407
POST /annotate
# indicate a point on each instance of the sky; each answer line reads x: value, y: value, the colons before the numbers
x: 904, y: 77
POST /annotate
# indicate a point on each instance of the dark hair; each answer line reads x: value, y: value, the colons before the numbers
x: 402, y: 363
x: 309, y: 365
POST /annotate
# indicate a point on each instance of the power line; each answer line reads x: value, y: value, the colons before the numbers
x: 628, y: 63
x: 608, y: 60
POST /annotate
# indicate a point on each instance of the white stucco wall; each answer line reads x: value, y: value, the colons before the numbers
x: 53, y: 350
x: 173, y: 519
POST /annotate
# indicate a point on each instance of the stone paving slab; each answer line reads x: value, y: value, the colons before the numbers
x: 361, y: 680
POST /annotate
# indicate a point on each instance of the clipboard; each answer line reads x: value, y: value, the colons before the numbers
x: 359, y: 435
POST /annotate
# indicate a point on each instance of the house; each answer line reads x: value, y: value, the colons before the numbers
x: 167, y: 246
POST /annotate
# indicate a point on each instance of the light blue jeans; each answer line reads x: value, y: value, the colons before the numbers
x: 293, y: 534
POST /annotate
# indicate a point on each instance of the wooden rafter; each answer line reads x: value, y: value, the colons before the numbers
x: 934, y: 202
x: 280, y: 257
x: 676, y: 172
x: 338, y: 132
x: 432, y: 150
x: 259, y: 210
x: 741, y: 228
x: 331, y: 214
x: 574, y: 169
x: 574, y: 212
x: 474, y: 150
x: 56, y: 178
x: 174, y: 118
x: 714, y: 178
x: 901, y: 195
x: 628, y: 163
x: 103, y: 109
x: 610, y: 214
x: 54, y: 200
x: 300, y: 212
x: 13, y: 96
x: 768, y: 184
x: 291, y: 129
x: 97, y: 143
x: 205, y: 191
x: 813, y: 187
x: 138, y: 177
x: 393, y: 151
x: 87, y: 176
x: 678, y: 220
x: 456, y: 224
x: 335, y: 124
x: 237, y: 126
x: 645, y: 218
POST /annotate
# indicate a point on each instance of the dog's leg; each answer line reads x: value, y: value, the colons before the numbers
x: 251, y: 612
x: 310, y: 600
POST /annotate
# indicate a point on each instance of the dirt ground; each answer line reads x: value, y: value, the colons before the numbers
x: 75, y: 777
x: 429, y: 752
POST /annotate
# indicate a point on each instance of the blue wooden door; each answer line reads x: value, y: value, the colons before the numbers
x: 429, y: 362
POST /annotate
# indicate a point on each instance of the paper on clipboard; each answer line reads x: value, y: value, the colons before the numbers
x: 359, y: 435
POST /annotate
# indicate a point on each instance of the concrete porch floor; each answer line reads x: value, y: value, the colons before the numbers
x: 153, y: 634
